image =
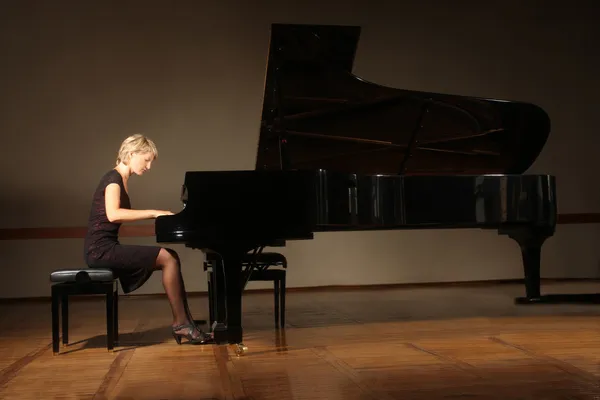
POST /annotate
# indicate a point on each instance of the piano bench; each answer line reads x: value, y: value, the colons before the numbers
x: 261, y: 272
x: 86, y: 281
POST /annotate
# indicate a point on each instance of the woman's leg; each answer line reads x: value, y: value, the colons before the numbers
x: 185, y: 298
x: 172, y: 280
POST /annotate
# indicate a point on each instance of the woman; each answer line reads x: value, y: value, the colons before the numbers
x: 134, y: 264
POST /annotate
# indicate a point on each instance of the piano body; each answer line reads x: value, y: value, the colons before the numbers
x: 339, y: 153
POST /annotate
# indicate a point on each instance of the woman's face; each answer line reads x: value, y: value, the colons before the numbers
x: 140, y: 162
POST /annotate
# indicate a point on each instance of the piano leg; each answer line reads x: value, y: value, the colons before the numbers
x: 531, y: 240
x: 228, y: 286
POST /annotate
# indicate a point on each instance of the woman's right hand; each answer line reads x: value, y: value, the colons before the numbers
x: 159, y: 213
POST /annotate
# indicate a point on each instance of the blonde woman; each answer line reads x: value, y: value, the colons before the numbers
x: 134, y: 264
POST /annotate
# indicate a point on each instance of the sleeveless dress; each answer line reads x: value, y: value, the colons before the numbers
x: 132, y: 264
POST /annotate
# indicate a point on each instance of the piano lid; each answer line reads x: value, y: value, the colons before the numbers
x: 317, y: 114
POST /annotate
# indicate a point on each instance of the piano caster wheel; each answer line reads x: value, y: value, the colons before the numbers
x: 240, y: 349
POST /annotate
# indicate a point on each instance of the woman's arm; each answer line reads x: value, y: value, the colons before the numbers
x: 114, y: 212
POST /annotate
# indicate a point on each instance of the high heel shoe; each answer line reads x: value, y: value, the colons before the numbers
x: 203, y: 338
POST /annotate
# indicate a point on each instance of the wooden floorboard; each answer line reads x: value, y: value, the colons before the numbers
x: 414, y: 343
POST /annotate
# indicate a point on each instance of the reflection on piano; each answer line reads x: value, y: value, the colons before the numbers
x: 339, y: 153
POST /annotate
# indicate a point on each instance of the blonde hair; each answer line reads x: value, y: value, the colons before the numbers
x: 137, y: 143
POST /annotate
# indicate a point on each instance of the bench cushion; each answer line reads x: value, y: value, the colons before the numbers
x: 267, y: 258
x: 82, y: 275
x: 267, y: 275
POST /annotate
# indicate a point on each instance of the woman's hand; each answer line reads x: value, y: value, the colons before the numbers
x: 158, y: 213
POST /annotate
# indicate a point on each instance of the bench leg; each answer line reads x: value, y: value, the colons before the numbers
x: 110, y: 318
x: 55, y: 317
x: 116, y: 315
x: 211, y: 300
x: 276, y: 294
x: 64, y: 303
x: 282, y: 297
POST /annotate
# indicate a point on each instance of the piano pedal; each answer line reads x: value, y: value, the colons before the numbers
x: 240, y: 349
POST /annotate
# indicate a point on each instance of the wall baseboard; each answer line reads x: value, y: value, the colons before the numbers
x: 147, y: 230
x: 325, y: 288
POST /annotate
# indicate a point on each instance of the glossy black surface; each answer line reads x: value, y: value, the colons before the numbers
x: 338, y: 153
x: 362, y: 202
x: 253, y: 208
x: 318, y: 115
x: 241, y: 208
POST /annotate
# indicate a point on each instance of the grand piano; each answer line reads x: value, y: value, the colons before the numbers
x: 339, y: 153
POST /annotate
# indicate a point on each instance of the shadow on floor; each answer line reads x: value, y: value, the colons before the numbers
x: 127, y: 340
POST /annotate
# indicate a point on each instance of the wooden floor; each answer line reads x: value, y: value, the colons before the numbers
x: 432, y: 343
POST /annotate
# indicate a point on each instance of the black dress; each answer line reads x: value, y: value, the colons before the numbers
x: 132, y: 264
